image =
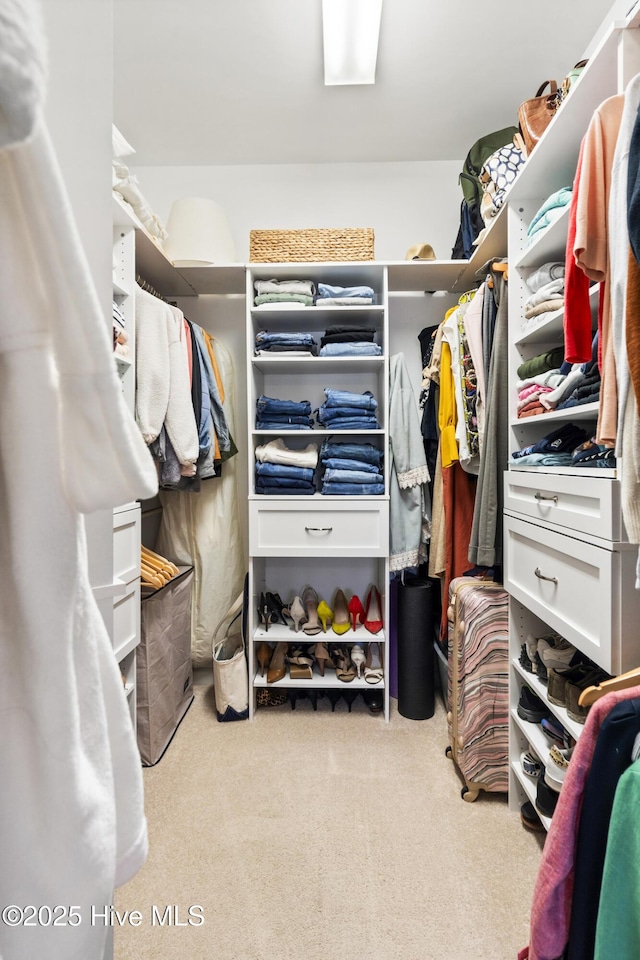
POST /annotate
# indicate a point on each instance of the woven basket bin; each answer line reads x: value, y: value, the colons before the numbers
x: 311, y: 246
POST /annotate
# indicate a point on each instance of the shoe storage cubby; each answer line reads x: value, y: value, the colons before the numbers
x: 287, y: 576
x: 330, y: 541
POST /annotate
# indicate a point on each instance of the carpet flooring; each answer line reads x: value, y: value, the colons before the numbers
x: 312, y: 836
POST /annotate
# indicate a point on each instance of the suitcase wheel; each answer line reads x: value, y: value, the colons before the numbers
x: 469, y: 796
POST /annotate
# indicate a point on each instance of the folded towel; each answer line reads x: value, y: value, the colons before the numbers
x: 548, y: 291
x: 305, y: 287
x: 299, y: 298
x: 547, y: 306
x: 553, y: 270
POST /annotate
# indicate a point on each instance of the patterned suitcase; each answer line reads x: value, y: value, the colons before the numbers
x: 478, y: 694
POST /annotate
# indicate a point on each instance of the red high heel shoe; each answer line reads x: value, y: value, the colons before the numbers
x: 373, y: 617
x: 356, y: 610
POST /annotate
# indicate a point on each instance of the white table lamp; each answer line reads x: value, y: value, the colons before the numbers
x: 199, y: 233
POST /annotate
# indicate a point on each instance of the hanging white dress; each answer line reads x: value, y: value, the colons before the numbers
x: 72, y: 822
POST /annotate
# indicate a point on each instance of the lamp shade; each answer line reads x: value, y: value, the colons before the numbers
x: 199, y: 233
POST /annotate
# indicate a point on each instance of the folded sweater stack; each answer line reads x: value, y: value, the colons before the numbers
x: 547, y: 290
x: 283, y: 294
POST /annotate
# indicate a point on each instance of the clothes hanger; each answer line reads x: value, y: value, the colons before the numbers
x: 623, y: 682
x: 149, y: 288
x: 498, y: 266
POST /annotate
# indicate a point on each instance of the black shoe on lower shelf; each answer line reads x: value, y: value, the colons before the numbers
x: 374, y: 699
x: 531, y: 707
x: 530, y: 818
x: 546, y: 798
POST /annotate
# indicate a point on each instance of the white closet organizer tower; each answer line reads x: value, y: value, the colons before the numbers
x: 328, y: 542
x: 568, y: 565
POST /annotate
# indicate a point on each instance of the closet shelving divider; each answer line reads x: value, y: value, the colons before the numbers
x: 568, y: 564
x: 328, y: 542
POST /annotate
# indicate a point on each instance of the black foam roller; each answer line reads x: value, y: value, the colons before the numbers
x: 416, y: 699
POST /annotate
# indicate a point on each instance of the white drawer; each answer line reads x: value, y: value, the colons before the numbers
x: 578, y: 589
x: 589, y: 505
x: 126, y: 621
x: 126, y: 545
x: 294, y: 529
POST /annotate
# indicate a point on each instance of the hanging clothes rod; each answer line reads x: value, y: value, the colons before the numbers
x: 149, y: 288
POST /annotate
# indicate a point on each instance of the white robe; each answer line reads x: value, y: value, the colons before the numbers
x: 72, y: 822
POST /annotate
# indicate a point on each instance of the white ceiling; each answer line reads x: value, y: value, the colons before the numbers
x: 200, y: 82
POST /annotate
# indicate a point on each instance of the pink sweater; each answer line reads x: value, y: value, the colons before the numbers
x: 551, y: 909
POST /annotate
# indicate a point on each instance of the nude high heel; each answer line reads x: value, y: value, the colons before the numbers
x: 322, y: 655
x: 358, y: 657
x: 356, y: 610
x: 340, y: 614
x: 310, y: 604
x: 297, y: 613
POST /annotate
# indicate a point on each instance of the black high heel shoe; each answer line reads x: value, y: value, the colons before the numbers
x: 275, y: 607
x: 333, y: 696
x: 264, y: 617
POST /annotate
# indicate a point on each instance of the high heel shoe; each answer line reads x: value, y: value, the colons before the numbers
x: 275, y: 607
x: 358, y: 657
x: 322, y: 655
x: 300, y: 665
x: 277, y: 668
x: 297, y: 613
x: 373, y: 668
x: 345, y: 670
x: 373, y: 616
x: 264, y: 617
x: 310, y: 604
x: 325, y: 613
x: 340, y: 614
x: 356, y: 610
x: 263, y: 655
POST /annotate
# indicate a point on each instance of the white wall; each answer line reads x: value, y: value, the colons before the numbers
x: 405, y: 203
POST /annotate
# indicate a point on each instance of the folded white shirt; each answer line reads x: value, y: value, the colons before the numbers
x: 276, y: 451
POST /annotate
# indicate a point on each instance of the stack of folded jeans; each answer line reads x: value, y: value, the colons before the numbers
x: 343, y: 410
x: 351, y: 469
x: 281, y: 471
x: 553, y: 450
x: 279, y: 294
x: 330, y: 296
x: 347, y: 340
x: 274, y: 414
x: 293, y: 344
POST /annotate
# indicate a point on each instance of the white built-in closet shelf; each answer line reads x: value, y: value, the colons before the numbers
x: 323, y: 313
x: 119, y: 290
x: 588, y: 411
x: 317, y: 433
x: 278, y: 631
x: 549, y: 244
x: 321, y: 497
x: 549, y: 327
x: 278, y: 365
x: 328, y: 682
x: 555, y: 164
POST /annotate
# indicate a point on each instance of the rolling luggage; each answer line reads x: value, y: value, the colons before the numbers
x: 478, y: 694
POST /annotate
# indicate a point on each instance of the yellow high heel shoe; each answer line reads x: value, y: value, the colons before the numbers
x: 325, y: 614
x: 341, y: 622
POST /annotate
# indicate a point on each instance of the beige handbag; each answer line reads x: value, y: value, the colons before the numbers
x: 230, y: 671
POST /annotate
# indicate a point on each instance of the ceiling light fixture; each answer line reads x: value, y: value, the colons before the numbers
x: 351, y: 29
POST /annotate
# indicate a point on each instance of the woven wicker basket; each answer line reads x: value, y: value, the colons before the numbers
x: 311, y: 246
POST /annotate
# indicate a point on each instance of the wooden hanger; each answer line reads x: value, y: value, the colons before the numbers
x: 157, y: 562
x: 623, y: 682
x: 498, y: 267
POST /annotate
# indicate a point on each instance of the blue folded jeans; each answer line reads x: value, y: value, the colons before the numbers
x: 329, y: 414
x: 282, y: 470
x: 352, y: 476
x: 357, y: 349
x: 353, y: 489
x: 296, y: 421
x: 283, y: 407
x: 327, y: 290
x: 263, y: 338
x: 344, y: 398
x: 283, y: 425
x: 353, y: 451
x: 302, y: 491
x: 284, y: 483
x: 339, y: 463
x: 354, y: 423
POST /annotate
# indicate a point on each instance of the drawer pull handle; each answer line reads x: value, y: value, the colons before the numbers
x: 540, y: 496
x: 318, y: 529
x: 541, y: 576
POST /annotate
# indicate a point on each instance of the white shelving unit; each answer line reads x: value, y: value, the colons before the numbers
x: 352, y: 551
x: 568, y: 566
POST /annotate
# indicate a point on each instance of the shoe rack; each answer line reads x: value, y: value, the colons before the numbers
x: 326, y: 542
